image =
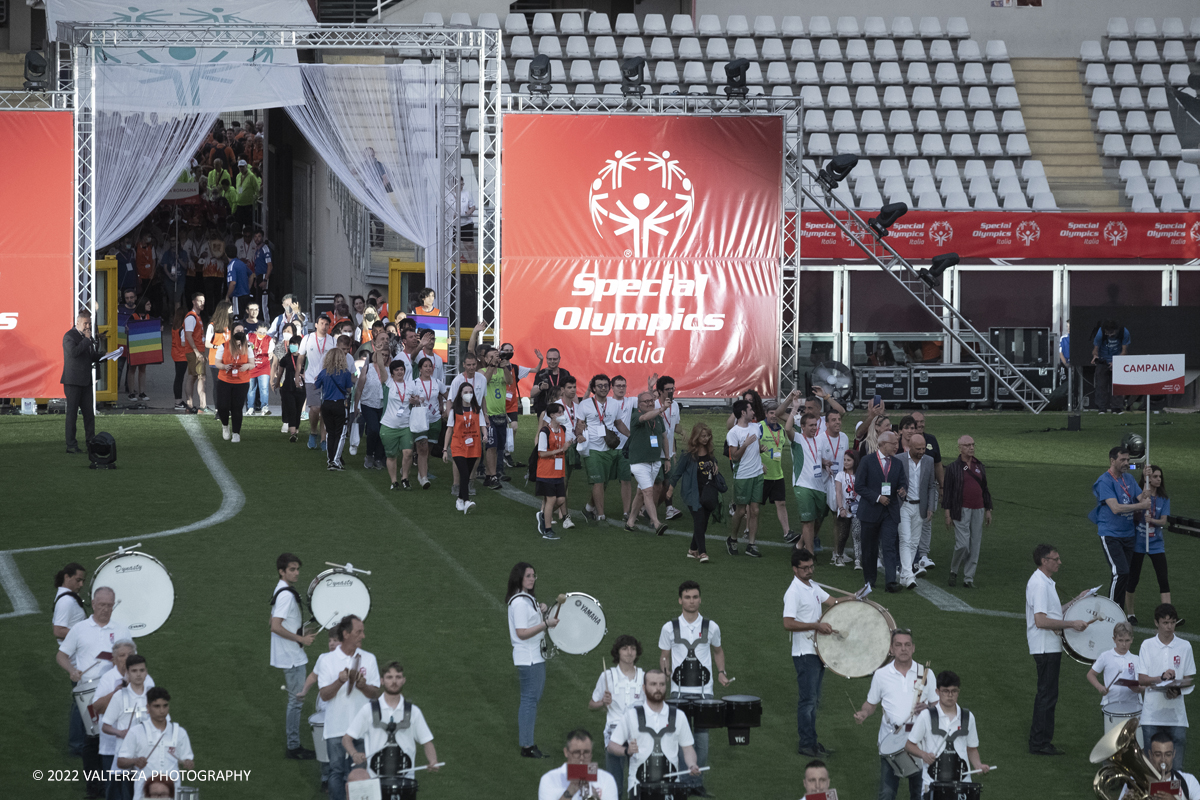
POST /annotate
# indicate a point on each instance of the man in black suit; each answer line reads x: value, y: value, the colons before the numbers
x: 80, y: 352
x: 881, y: 484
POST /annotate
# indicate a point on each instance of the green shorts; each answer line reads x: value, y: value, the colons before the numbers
x: 623, y: 473
x: 814, y: 505
x: 573, y: 461
x: 747, y: 490
x: 435, y: 430
x: 602, y: 465
x: 395, y: 440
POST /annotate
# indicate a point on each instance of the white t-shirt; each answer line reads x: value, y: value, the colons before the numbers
x: 691, y: 632
x: 439, y: 367
x: 598, y: 416
x: 189, y: 325
x: 1157, y: 658
x: 430, y: 391
x: 314, y: 348
x: 478, y: 381
x: 523, y: 612
x: 803, y: 602
x: 625, y: 407
x: 67, y: 613
x: 163, y: 750
x: 849, y: 494
x: 898, y: 693
x: 342, y: 707
x: 124, y: 710
x: 750, y: 465
x: 671, y: 421
x: 554, y: 784
x: 397, y: 411
x: 626, y: 693
x: 285, y: 653
x: 628, y: 731
x: 810, y: 474
x: 86, y: 641
x: 374, y: 738
x: 923, y: 737
x: 1110, y: 667
x: 372, y: 392
x: 1041, y: 597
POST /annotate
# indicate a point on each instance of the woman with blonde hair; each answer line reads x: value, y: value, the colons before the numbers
x: 879, y: 426
x: 334, y: 383
x: 702, y: 485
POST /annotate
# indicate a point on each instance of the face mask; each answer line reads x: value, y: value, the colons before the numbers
x: 295, y: 348
x: 564, y: 420
x: 468, y: 396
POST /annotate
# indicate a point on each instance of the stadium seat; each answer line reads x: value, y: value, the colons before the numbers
x: 861, y: 73
x: 577, y: 47
x: 1142, y: 146
x: 470, y: 95
x: 1169, y: 146
x: 1129, y: 169
x: 819, y: 145
x: 717, y: 49
x: 606, y: 47
x: 610, y: 72
x: 957, y: 201
x: 1102, y: 97
x: 689, y: 49
x: 1164, y: 186
x: 1096, y: 75
x: 894, y: 183
x: 1036, y: 185
x: 585, y: 89
x: 894, y: 97
x: 1145, y: 51
x: 1006, y: 97
x: 838, y: 97
x: 930, y: 27
x: 968, y: 50
x: 974, y: 75
x: 802, y: 50
x: 792, y: 26
x: 1178, y: 76
x: 941, y: 50
x: 1174, y: 51
x: 550, y: 46
x: 710, y: 25
x: 1184, y: 171
x: 764, y: 26
x: 806, y: 73
x: 918, y: 72
x: 957, y: 28
x: 901, y: 197
x: 956, y: 122
x: 960, y: 145
x: 1044, y: 201
x: 1173, y: 26
x: 1131, y: 98
x: 996, y: 50
x: 1172, y: 204
x: 890, y: 168
x: 597, y: 25
x: 989, y: 145
x: 777, y: 73
x: 661, y: 49
x: 979, y: 97
x: 857, y: 50
x: 666, y: 72
x: 946, y: 74
x: 1109, y: 122
x: 933, y: 145
x: 1158, y: 169
x: 1152, y: 75
x: 987, y: 202
x: 810, y: 96
x: 1191, y: 187
x: 515, y: 25
x: 1123, y: 75
x: 1118, y: 28
x: 902, y: 28
x: 1090, y: 50
x: 819, y: 26
x: 1012, y: 122
x: 1163, y: 122
x: 1119, y: 51
x: 913, y: 50
x: 848, y: 145
x: 1136, y: 122
x: 871, y: 122
x: 488, y: 20
x: 833, y: 72
x: 1002, y: 74
x: 829, y: 50
x: 874, y: 27
x: 904, y: 145
x: 1015, y: 201
x: 950, y: 186
x: 885, y: 50
x: 889, y: 73
x: 1032, y: 169
x: 844, y: 122
x: 951, y: 97
x: 985, y: 122
x: 581, y: 71
x: 945, y: 168
x: 1144, y: 204
x: 473, y: 142
x: 870, y: 200
x: 1144, y: 28
x: 521, y: 47
x: 1017, y: 146
x: 929, y: 122
x: 435, y: 18
x: 900, y: 121
x: 929, y: 201
x: 919, y: 168
x: 980, y: 184
x: 772, y: 50
x: 718, y: 74
x: 922, y: 97
x: 543, y: 25
x: 745, y: 48
x: 786, y: 91
x: 737, y: 25
x: 975, y: 168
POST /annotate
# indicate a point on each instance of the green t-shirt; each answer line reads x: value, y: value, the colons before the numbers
x: 772, y: 458
x: 497, y: 387
x: 645, y: 439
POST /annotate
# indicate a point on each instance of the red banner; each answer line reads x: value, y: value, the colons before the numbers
x: 37, y: 213
x: 641, y: 244
x: 921, y: 235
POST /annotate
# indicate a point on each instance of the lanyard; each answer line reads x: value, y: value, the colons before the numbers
x: 321, y: 345
x: 599, y: 411
x: 812, y: 448
x: 396, y: 386
x: 837, y: 449
x: 468, y: 420
x: 884, y: 466
x: 428, y: 396
x: 776, y: 437
x: 1124, y: 489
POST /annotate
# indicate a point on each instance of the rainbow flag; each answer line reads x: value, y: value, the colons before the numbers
x: 145, y: 341
x: 441, y: 332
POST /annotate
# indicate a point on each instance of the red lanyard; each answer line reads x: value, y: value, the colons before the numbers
x: 1124, y: 489
x: 885, y: 466
x: 812, y: 448
x: 428, y: 396
x: 598, y: 411
x: 837, y: 449
x: 321, y: 345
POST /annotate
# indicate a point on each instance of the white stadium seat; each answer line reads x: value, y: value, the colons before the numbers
x: 1144, y: 27
x: 930, y: 27
x: 847, y: 27
x: 885, y: 50
x: 792, y: 26
x: 802, y: 50
x: 974, y: 75
x: 957, y: 201
x: 1044, y: 201
x: 1123, y: 75
x: 1096, y: 75
x: 627, y: 25
x: 1102, y: 97
x: 515, y: 25
x: 957, y: 28
x: 1158, y: 169
x: 838, y: 97
x: 666, y: 72
x: 1006, y: 97
x: 1129, y: 169
x: 1178, y: 75
x: 745, y: 48
x: 806, y: 72
x: 829, y: 50
x: 598, y: 25
x: 1109, y: 122
x: 951, y: 97
x: 1144, y: 204
x: 1174, y: 51
x: 996, y: 50
x: 717, y: 49
x: 989, y: 145
x: 833, y: 72
x: 1017, y: 146
x: 1012, y: 122
x: 945, y: 168
x: 577, y: 47
x: 710, y: 25
x: 810, y: 96
x: 1015, y: 201
x: 1163, y: 122
x: 985, y: 121
x: 919, y: 168
x: 894, y: 97
x: 979, y: 97
x: 961, y: 146
x: 929, y: 201
x: 933, y: 145
x: 1002, y: 74
x: 918, y: 72
x: 1137, y: 122
x: 521, y: 47
x: 929, y: 122
x: 681, y: 25
x: 1119, y: 51
x: 819, y: 145
x: 550, y: 46
x: 922, y: 97
x: 1114, y: 146
x: 946, y: 74
x: 941, y: 50
x: 861, y: 73
x: 968, y: 50
x: 913, y: 50
x: 1118, y: 28
x: 956, y: 121
x: 857, y: 50
x: 581, y: 72
x: 902, y: 28
x: 689, y: 49
x: 1131, y: 98
x: 874, y: 27
x: 1152, y: 75
x: 900, y: 121
x: 872, y: 121
x: 848, y: 145
x: 737, y: 25
x: 904, y: 145
x: 764, y: 26
x: 1164, y: 186
x: 889, y: 73
x: 777, y: 73
x: 488, y: 20
x: 1145, y: 51
x: 1173, y: 26
x: 1169, y: 146
x: 819, y: 26
x: 772, y: 50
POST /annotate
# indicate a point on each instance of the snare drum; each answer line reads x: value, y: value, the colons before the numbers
x: 685, y: 703
x: 145, y: 593
x: 862, y: 640
x: 742, y: 712
x: 900, y: 760
x: 708, y: 712
x: 84, y: 692
x: 581, y: 625
x: 317, y: 723
x: 1086, y: 646
x: 955, y: 791
x: 662, y: 790
x: 336, y: 593
x: 398, y: 788
x: 1117, y: 714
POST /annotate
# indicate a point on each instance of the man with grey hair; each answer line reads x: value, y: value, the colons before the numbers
x: 968, y: 507
x: 291, y: 315
x: 882, y: 484
x: 919, y: 504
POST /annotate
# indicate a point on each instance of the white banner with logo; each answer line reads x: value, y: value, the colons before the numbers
x: 1141, y: 375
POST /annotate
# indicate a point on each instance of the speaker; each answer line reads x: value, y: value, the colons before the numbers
x: 102, y: 451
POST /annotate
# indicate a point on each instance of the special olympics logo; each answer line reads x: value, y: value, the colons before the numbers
x: 637, y: 200
x: 1115, y: 232
x: 1028, y: 232
x: 1195, y: 231
x: 941, y: 232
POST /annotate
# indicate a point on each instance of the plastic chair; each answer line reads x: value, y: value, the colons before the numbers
x: 985, y: 121
x: 951, y: 97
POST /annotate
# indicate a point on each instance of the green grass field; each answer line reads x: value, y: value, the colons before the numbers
x: 438, y: 585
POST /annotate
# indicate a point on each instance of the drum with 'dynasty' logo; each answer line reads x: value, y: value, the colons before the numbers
x: 334, y: 594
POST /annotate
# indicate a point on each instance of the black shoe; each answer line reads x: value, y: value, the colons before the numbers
x: 492, y: 482
x: 660, y: 530
x: 791, y: 537
x: 394, y: 486
x: 73, y: 448
x: 968, y: 584
x: 953, y: 579
x: 325, y: 786
x: 822, y: 750
x: 504, y: 476
x: 516, y: 464
x: 698, y: 791
x: 811, y: 752
x: 532, y: 752
x: 405, y: 485
x: 731, y: 545
x: 893, y: 588
x: 1047, y: 750
x: 1132, y: 619
x: 508, y: 461
x: 301, y: 754
x: 752, y: 551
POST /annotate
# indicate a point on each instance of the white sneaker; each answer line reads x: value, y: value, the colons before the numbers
x: 926, y: 563
x: 919, y: 571
x: 353, y: 450
x: 568, y: 523
x: 284, y: 429
x: 237, y: 437
x: 225, y: 432
x: 458, y: 504
x: 673, y: 512
x: 467, y: 506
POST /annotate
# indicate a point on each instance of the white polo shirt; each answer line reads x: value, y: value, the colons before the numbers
x: 628, y: 731
x: 340, y: 710
x: 1157, y: 658
x: 375, y: 737
x: 599, y: 416
x: 803, y: 602
x: 923, y: 737
x: 1041, y: 596
x: 1111, y: 667
x: 554, y: 785
x: 811, y: 474
x: 314, y: 348
x: 626, y: 693
x: 68, y: 612
x: 523, y: 612
x: 898, y: 692
x: 163, y: 750
x: 86, y: 641
x: 285, y: 653
x: 124, y: 710
x: 691, y: 632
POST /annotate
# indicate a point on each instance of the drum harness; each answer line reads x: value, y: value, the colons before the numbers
x: 546, y: 647
x: 73, y: 596
x: 390, y: 761
x: 655, y: 765
x: 299, y: 604
x: 964, y: 720
x: 691, y: 673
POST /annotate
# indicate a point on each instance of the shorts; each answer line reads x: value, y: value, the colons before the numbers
x: 550, y: 487
x: 513, y: 415
x: 432, y: 435
x: 645, y: 474
x: 623, y: 473
x: 196, y: 364
x: 395, y: 440
x: 497, y: 431
x: 747, y: 490
x: 601, y: 465
x: 774, y: 490
x: 312, y: 395
x: 814, y: 504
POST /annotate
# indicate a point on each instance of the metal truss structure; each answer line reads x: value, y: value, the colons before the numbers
x: 787, y: 108
x: 910, y: 280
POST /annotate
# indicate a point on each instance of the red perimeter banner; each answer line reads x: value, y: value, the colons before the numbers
x: 37, y: 213
x: 642, y: 244
x: 1010, y: 234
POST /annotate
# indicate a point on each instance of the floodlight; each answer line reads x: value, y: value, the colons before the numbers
x: 887, y: 218
x: 735, y: 77
x: 836, y: 171
x: 632, y: 80
x: 940, y: 264
x: 539, y: 75
x: 35, y: 70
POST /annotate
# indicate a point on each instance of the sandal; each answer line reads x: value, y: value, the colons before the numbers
x: 630, y: 528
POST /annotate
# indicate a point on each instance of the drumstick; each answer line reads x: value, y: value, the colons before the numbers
x: 604, y: 663
x: 977, y: 771
x: 426, y: 766
x: 1116, y: 678
x: 835, y: 589
x: 683, y: 772
x: 850, y: 700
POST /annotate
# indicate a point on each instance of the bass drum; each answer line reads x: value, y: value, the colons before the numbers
x: 861, y: 641
x: 581, y: 625
x: 336, y: 593
x: 1102, y: 615
x: 145, y: 592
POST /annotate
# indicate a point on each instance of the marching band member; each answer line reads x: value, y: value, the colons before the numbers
x: 370, y: 726
x: 114, y: 680
x: 652, y: 736
x: 903, y: 689
x: 556, y: 786
x: 67, y: 582
x: 526, y: 629
x: 288, y: 641
x: 1116, y: 668
x: 693, y: 644
x: 802, y: 618
x: 943, y: 727
x: 156, y: 745
x: 126, y: 708
x: 1162, y: 755
x: 310, y: 682
x: 348, y: 664
x: 816, y: 777
x: 619, y: 689
x: 1167, y: 657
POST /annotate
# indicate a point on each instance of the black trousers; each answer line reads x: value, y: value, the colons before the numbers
x: 874, y: 535
x: 1041, y: 730
x: 699, y: 528
x: 79, y: 398
x: 465, y: 464
x: 333, y: 414
x: 91, y: 766
x: 231, y: 399
x: 1119, y: 553
x: 291, y: 397
x: 180, y: 371
x: 1159, y: 560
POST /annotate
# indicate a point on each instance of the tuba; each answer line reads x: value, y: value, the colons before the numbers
x: 1124, y: 767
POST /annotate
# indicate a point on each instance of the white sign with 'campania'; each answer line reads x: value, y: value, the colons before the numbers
x: 1148, y: 374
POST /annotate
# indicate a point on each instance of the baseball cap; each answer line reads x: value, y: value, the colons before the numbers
x: 241, y: 162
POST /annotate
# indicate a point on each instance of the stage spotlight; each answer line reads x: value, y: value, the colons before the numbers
x: 539, y: 75
x: 887, y: 218
x: 940, y: 264
x: 35, y: 70
x: 836, y: 171
x: 102, y: 451
x: 632, y: 70
x: 735, y: 76
x: 1135, y: 444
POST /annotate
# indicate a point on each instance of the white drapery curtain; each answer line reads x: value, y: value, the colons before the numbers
x: 374, y: 126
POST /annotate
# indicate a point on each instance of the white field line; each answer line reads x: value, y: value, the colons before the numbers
x: 232, y: 500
